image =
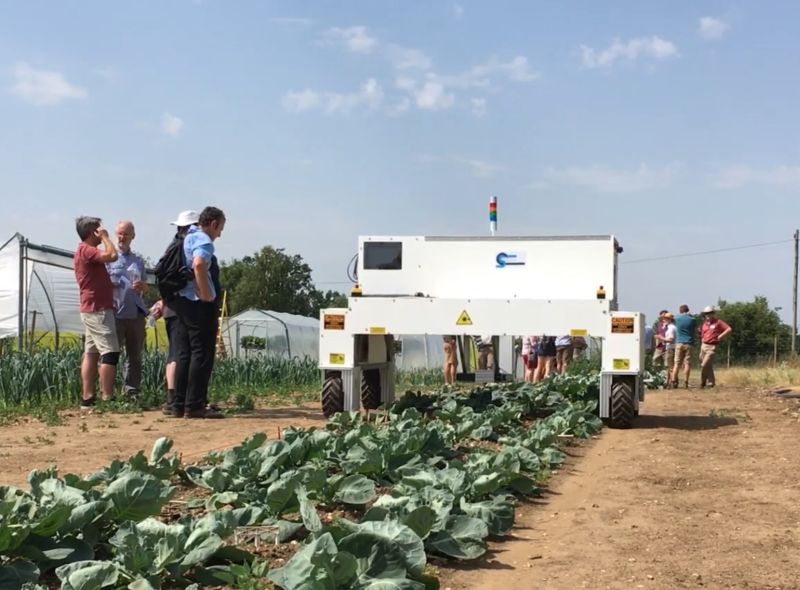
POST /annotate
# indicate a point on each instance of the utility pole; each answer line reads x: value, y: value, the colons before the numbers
x: 794, y: 294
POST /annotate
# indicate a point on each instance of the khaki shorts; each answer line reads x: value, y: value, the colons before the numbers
x: 669, y: 358
x: 101, y: 331
x: 683, y: 355
x: 563, y: 354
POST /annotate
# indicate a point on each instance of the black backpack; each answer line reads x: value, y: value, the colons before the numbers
x: 171, y: 272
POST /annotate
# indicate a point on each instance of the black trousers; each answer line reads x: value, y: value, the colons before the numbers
x: 196, y: 334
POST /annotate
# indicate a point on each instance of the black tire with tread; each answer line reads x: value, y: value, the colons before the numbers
x: 332, y: 396
x: 371, y: 389
x: 622, y: 403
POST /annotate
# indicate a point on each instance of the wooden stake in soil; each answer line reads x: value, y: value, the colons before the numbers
x: 794, y: 293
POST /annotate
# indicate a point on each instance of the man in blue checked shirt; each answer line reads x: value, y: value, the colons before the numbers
x: 197, y: 319
x: 127, y: 276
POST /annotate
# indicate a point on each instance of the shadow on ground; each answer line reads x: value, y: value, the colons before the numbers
x: 685, y: 422
x: 282, y: 414
x: 486, y: 562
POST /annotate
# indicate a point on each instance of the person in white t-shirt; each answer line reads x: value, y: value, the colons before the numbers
x: 670, y: 334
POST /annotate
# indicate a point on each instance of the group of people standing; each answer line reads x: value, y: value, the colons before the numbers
x: 673, y: 338
x: 541, y: 355
x: 546, y: 355
x: 112, y: 284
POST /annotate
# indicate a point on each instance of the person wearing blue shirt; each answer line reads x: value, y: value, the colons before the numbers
x: 128, y: 278
x: 686, y: 330
x: 197, y: 319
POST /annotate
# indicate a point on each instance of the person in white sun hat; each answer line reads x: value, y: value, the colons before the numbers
x: 185, y: 219
x: 712, y: 332
x: 183, y: 222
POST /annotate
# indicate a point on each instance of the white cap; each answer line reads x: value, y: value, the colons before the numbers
x: 186, y: 218
x: 709, y: 309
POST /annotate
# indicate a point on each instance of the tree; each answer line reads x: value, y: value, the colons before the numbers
x: 332, y: 299
x: 272, y: 279
x: 755, y: 325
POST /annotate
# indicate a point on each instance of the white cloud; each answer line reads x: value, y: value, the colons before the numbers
x: 369, y: 96
x: 478, y: 106
x: 482, y: 168
x: 712, y: 28
x: 433, y: 97
x: 733, y: 177
x: 405, y: 58
x: 653, y: 47
x: 43, y: 87
x: 478, y: 168
x: 405, y: 83
x: 107, y: 73
x: 458, y: 10
x: 171, y: 125
x: 432, y: 91
x: 609, y: 180
x: 354, y: 39
x: 400, y: 107
x: 292, y: 21
x: 516, y: 69
x: 304, y: 100
x: 479, y: 76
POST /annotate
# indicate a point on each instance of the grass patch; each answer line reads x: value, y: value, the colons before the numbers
x: 787, y: 373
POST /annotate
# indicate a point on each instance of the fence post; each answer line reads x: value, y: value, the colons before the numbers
x: 729, y: 354
x: 775, y: 352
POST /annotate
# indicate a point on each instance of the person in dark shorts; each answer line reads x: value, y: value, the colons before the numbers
x: 546, y: 354
x: 184, y: 221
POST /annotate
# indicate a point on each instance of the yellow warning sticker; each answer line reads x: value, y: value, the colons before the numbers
x: 336, y: 358
x: 576, y: 333
x: 464, y: 319
x: 377, y: 330
x: 622, y: 364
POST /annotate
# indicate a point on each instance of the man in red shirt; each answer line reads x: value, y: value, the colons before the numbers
x: 97, y: 308
x: 712, y: 332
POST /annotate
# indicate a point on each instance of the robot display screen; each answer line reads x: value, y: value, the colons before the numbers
x: 383, y: 255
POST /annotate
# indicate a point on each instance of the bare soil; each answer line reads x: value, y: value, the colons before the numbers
x: 702, y: 493
x: 86, y: 442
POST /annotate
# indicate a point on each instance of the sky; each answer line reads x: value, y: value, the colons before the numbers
x: 673, y: 126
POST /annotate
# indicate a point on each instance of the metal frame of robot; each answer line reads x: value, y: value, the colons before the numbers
x: 622, y: 334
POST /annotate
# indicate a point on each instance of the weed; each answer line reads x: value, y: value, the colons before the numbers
x: 243, y: 402
x: 731, y: 413
x: 41, y: 440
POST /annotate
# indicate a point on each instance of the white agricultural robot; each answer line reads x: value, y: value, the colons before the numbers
x: 463, y: 286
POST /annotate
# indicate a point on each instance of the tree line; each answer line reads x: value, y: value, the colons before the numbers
x: 757, y: 328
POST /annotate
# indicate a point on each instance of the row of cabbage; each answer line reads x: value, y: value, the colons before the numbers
x: 435, y: 475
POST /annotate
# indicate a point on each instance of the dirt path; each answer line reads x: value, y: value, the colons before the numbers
x: 702, y: 493
x: 86, y: 443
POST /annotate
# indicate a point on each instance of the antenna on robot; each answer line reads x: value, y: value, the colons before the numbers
x: 493, y: 215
